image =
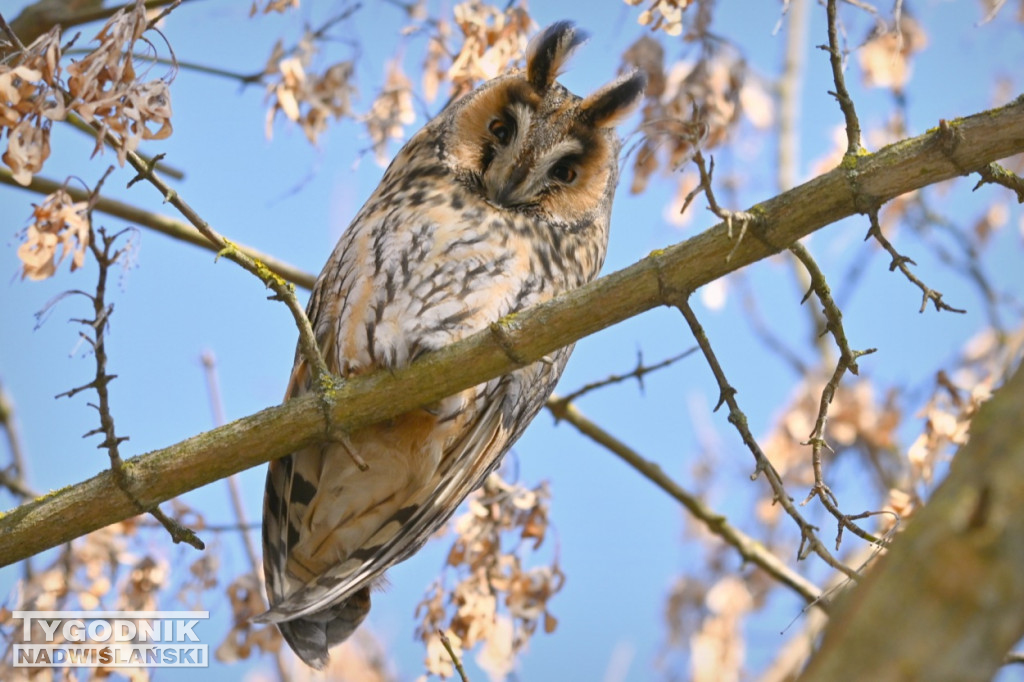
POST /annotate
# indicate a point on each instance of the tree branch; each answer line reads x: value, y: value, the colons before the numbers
x: 749, y: 548
x: 841, y: 94
x: 41, y: 16
x: 809, y: 541
x: 175, y: 229
x: 663, y: 276
x: 283, y: 291
x: 956, y: 567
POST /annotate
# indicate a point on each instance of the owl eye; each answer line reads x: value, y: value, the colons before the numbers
x: 501, y: 130
x: 563, y: 172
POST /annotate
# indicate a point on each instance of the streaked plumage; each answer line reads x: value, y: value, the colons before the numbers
x: 499, y: 203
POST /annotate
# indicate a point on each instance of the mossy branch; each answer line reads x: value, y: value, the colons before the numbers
x: 656, y: 280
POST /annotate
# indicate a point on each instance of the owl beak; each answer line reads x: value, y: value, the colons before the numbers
x: 514, y: 190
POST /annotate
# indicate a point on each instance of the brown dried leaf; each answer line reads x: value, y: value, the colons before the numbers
x: 58, y: 222
x: 663, y: 15
x: 494, y: 591
x: 106, y: 91
x: 885, y: 58
x: 648, y: 56
x: 391, y: 111
x: 246, y: 596
x: 268, y: 6
x: 718, y: 647
x: 493, y: 40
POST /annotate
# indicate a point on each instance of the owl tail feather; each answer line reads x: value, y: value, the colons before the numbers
x: 312, y: 636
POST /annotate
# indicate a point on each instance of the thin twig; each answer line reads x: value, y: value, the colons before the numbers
x: 847, y: 362
x: 753, y: 317
x: 900, y: 261
x: 86, y: 129
x: 809, y: 541
x: 841, y: 94
x: 211, y: 527
x: 9, y: 32
x: 14, y: 476
x: 101, y: 244
x: 788, y: 90
x: 749, y: 549
x: 995, y: 174
x: 38, y: 18
x: 244, y: 79
x: 968, y: 262
x: 283, y: 291
x: 743, y: 218
x: 638, y: 373
x: 151, y: 24
x: 451, y: 652
x: 242, y: 524
x: 16, y: 484
x: 994, y: 8
x: 234, y: 493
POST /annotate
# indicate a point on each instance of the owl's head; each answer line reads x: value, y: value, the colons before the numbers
x: 527, y: 144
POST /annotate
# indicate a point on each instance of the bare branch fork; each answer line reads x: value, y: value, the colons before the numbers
x: 847, y: 363
x: 106, y: 255
x: 870, y: 179
x: 809, y: 541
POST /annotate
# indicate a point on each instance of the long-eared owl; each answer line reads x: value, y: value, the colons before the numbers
x: 499, y: 203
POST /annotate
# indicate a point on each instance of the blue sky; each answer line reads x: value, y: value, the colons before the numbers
x: 620, y: 540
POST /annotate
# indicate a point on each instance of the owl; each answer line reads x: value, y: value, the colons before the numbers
x: 499, y: 203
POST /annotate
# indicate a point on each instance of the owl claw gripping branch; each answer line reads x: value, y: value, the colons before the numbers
x: 499, y: 203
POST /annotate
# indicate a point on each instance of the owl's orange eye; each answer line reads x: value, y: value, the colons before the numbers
x: 502, y: 131
x: 563, y: 172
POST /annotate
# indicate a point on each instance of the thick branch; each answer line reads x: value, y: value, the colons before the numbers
x: 956, y: 568
x: 157, y: 476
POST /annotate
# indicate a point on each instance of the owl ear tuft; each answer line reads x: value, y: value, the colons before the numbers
x: 549, y: 51
x: 615, y: 101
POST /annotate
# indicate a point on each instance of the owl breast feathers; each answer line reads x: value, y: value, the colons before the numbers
x: 499, y: 203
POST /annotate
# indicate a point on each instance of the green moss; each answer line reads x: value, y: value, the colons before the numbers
x: 51, y: 494
x: 229, y: 249
x: 329, y: 385
x: 849, y: 162
x: 268, y: 276
x: 508, y: 320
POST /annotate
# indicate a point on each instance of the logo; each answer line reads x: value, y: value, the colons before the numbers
x: 110, y: 639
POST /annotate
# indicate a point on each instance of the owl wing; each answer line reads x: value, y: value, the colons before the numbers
x: 394, y: 527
